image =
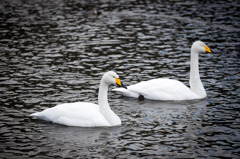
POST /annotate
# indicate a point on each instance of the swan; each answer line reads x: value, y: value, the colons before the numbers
x: 170, y: 89
x: 86, y: 114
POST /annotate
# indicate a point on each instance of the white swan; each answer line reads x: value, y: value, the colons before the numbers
x: 169, y: 89
x: 85, y: 114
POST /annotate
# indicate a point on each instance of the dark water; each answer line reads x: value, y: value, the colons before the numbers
x: 56, y: 51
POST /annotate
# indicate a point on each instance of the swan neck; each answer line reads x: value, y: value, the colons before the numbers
x: 194, y: 68
x: 104, y: 107
x: 195, y: 81
x: 102, y: 95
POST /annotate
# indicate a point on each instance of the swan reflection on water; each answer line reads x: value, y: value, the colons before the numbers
x: 159, y: 119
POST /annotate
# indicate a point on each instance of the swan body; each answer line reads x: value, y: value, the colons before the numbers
x: 85, y: 114
x: 159, y: 89
x: 170, y: 89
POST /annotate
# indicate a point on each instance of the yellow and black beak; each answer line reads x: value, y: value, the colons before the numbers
x: 118, y: 82
x: 207, y: 49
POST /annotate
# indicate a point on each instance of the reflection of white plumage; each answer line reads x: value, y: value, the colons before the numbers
x: 86, y: 114
x: 169, y: 89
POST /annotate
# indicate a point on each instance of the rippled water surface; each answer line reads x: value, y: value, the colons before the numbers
x: 56, y: 51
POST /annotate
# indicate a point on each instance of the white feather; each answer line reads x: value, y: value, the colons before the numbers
x: 169, y: 89
x: 85, y: 114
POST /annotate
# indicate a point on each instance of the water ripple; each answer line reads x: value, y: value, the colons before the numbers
x: 56, y: 51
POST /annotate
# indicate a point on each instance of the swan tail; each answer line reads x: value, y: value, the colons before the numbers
x: 126, y: 92
x: 39, y: 115
x: 35, y: 114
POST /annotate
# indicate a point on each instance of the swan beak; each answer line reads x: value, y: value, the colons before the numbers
x: 207, y: 49
x: 119, y: 83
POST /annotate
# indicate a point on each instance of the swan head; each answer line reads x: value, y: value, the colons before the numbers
x: 111, y: 77
x: 200, y: 47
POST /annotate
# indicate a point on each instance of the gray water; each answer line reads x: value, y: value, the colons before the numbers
x: 54, y: 52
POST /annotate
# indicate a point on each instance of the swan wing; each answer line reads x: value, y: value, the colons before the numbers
x: 74, y: 114
x: 159, y: 89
